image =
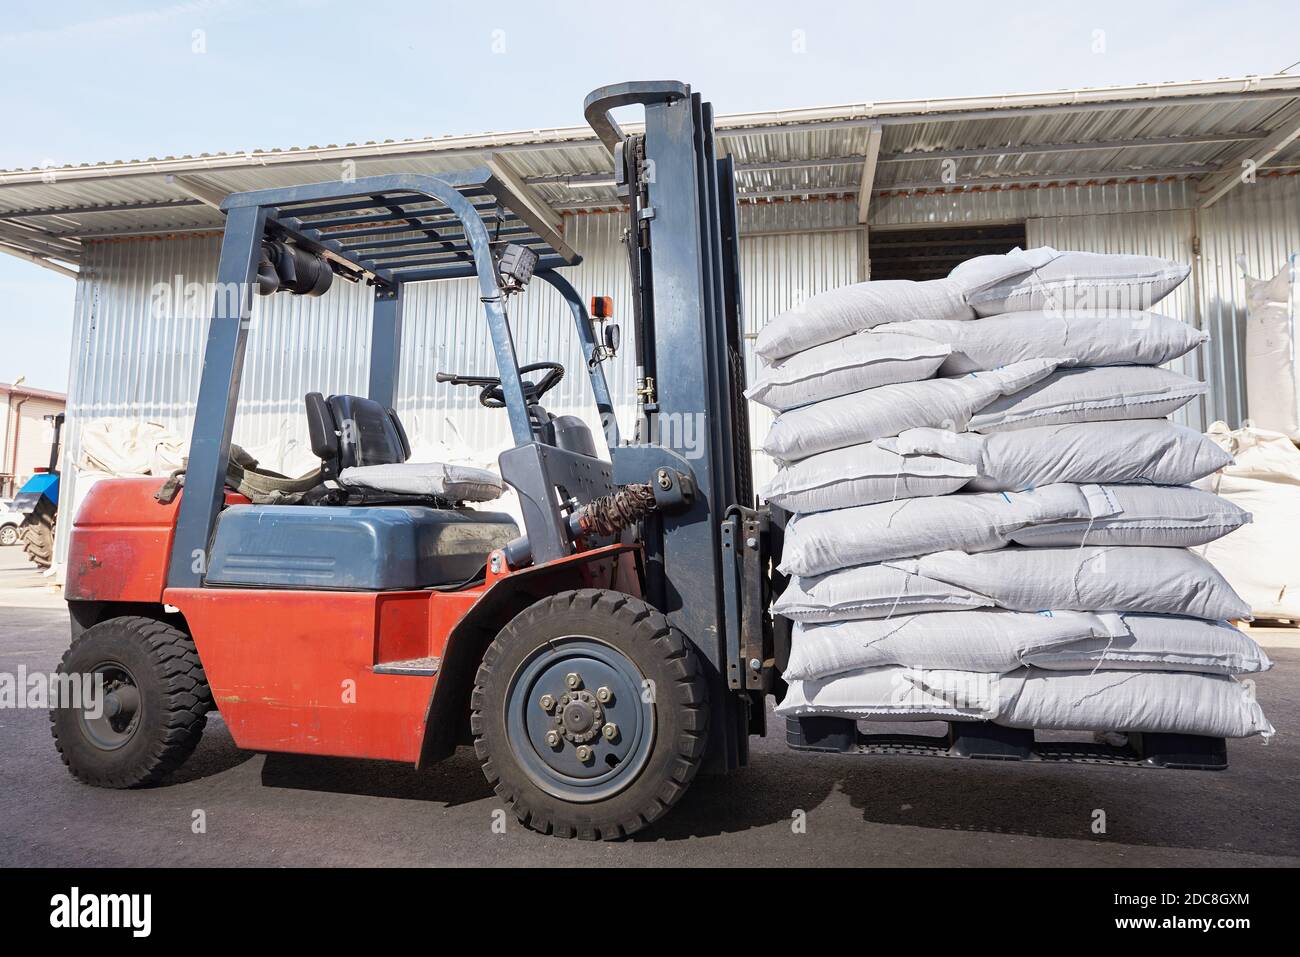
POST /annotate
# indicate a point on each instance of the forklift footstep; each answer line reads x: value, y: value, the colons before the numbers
x: 976, y: 739
x: 409, y: 666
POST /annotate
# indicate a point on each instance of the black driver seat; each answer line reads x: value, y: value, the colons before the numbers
x: 349, y: 431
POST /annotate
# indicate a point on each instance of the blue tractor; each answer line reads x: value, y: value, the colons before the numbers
x: 38, y: 502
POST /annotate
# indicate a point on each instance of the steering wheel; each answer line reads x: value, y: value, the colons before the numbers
x: 491, y: 394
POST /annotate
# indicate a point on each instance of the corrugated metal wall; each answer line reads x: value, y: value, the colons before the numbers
x: 137, y: 355
x: 1260, y: 221
x: 1167, y: 234
x: 1257, y: 221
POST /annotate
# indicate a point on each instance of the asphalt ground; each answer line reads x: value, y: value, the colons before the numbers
x: 787, y: 808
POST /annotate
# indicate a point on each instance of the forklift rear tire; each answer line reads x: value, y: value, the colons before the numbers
x: 589, y: 715
x: 152, y: 709
x: 37, y: 531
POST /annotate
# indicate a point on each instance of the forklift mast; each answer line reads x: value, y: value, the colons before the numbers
x: 708, y: 566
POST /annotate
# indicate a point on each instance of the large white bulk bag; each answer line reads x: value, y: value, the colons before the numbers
x: 861, y: 474
x: 1146, y: 451
x: 1090, y: 395
x: 1123, y: 701
x: 1086, y: 338
x: 985, y: 640
x: 1066, y: 282
x: 888, y: 410
x: 852, y: 364
x: 841, y: 312
x: 1272, y: 393
x: 1157, y: 643
x: 1054, y: 515
x: 1151, y: 580
x: 1262, y: 560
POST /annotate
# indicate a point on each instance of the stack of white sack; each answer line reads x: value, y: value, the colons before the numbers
x: 991, y: 516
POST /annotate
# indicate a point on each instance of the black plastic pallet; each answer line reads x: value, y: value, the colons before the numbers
x: 991, y: 742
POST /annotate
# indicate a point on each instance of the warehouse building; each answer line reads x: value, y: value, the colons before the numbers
x: 1206, y: 172
x: 27, y: 431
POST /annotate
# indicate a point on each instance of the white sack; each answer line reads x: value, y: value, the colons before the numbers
x: 1090, y: 395
x: 990, y: 640
x: 894, y: 693
x: 1054, y: 515
x: 1067, y: 282
x: 1262, y: 560
x: 841, y: 312
x: 1124, y: 701
x: 1153, y: 451
x: 1172, y: 516
x: 1158, y: 643
x: 824, y: 541
x: 890, y: 409
x: 1272, y: 394
x: 1001, y: 641
x: 921, y: 462
x: 852, y: 364
x: 860, y: 475
x: 1151, y: 580
x: 1130, y: 701
x: 983, y: 272
x: 1086, y: 338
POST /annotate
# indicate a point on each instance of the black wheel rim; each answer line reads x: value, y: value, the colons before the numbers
x: 112, y: 715
x: 587, y: 763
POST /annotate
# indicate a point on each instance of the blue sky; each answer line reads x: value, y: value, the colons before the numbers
x: 84, y: 81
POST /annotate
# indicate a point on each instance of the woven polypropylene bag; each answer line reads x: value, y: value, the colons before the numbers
x: 1151, y: 580
x: 1146, y: 451
x: 890, y: 409
x: 1067, y: 281
x: 1108, y: 393
x: 1051, y: 516
x: 852, y: 364
x: 1080, y: 339
x: 841, y: 312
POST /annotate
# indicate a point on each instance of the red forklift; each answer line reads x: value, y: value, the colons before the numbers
x: 596, y: 659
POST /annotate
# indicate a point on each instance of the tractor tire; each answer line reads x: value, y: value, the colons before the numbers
x: 8, y: 535
x: 153, y: 708
x: 37, y: 533
x: 627, y: 722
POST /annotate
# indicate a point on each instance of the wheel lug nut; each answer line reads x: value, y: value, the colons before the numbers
x: 573, y: 680
x: 604, y: 695
x: 553, y: 738
x: 547, y: 702
x: 584, y: 753
x: 610, y: 731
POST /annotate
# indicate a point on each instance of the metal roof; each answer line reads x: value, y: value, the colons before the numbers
x: 1200, y: 130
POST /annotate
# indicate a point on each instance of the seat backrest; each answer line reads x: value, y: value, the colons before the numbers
x: 350, y: 430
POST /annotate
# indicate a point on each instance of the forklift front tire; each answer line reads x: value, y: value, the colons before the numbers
x: 589, y: 715
x: 139, y: 706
